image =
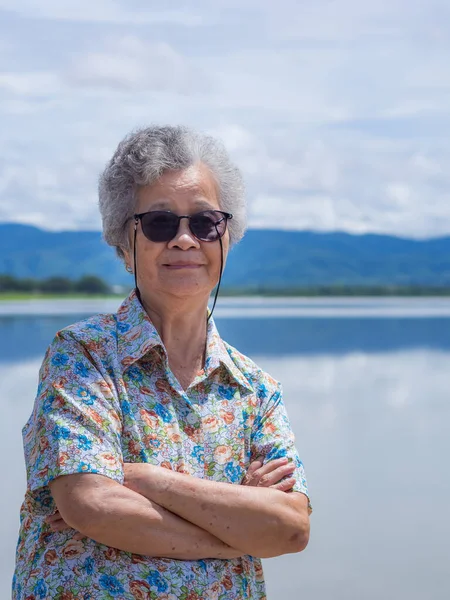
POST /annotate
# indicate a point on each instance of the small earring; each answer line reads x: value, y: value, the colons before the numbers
x: 128, y: 268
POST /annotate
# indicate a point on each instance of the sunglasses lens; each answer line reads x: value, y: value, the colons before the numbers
x: 208, y: 225
x: 159, y: 226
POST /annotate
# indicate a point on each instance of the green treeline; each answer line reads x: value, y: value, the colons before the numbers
x: 93, y: 285
x: 339, y: 290
x: 88, y: 284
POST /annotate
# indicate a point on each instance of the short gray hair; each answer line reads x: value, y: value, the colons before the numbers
x: 144, y: 155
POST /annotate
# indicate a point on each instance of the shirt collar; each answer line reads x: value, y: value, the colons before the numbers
x: 218, y: 355
x: 136, y: 336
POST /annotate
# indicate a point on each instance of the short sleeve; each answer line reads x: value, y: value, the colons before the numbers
x: 75, y: 426
x: 272, y: 437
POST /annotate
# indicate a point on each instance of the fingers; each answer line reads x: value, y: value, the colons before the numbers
x: 52, y: 518
x: 285, y: 485
x: 273, y: 465
x: 57, y: 523
x: 269, y: 474
x: 60, y: 525
x: 254, y: 466
x: 272, y: 478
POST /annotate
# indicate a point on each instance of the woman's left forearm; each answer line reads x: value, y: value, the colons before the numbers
x: 258, y: 521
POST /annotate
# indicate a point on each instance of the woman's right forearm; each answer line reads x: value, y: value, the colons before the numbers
x: 120, y: 518
x: 140, y: 526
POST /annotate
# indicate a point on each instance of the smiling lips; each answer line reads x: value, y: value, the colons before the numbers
x: 183, y: 266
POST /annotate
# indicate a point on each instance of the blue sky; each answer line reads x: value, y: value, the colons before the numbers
x: 337, y: 111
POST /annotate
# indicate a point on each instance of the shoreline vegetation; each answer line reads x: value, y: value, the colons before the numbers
x: 91, y: 287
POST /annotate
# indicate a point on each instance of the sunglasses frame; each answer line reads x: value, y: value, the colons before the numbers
x: 225, y: 216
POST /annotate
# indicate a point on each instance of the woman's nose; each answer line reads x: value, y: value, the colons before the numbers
x: 184, y: 237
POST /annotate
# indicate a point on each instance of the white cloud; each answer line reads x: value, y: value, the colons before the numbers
x: 130, y: 64
x: 29, y: 84
x: 396, y: 387
x: 399, y: 194
x: 336, y: 111
x: 54, y: 194
x: 361, y: 185
x: 101, y: 11
x: 126, y: 64
x: 307, y: 212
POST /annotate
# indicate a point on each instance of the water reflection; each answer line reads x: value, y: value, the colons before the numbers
x: 28, y: 336
x: 372, y: 428
x: 17, y: 388
x: 373, y: 432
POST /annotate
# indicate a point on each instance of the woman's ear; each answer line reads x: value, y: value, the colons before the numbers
x: 128, y: 259
x: 127, y: 251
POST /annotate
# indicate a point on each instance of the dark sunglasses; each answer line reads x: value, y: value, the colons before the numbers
x: 162, y: 225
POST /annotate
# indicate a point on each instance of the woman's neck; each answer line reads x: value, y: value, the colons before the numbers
x: 182, y: 327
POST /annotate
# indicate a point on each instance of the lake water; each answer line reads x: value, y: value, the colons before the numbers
x: 367, y: 386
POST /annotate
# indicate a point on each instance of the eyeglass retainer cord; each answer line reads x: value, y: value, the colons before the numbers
x: 138, y: 293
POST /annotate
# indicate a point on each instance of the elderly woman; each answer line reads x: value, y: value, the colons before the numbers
x: 160, y: 460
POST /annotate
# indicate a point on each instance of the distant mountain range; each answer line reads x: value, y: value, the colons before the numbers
x: 265, y: 259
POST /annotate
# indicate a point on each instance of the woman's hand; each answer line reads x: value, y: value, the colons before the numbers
x: 273, y: 474
x: 57, y: 523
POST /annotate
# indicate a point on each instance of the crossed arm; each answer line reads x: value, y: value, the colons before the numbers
x: 162, y: 513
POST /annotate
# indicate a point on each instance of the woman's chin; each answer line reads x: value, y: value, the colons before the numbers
x: 186, y: 287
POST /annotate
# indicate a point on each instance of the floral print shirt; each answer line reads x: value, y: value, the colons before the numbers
x: 107, y: 396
